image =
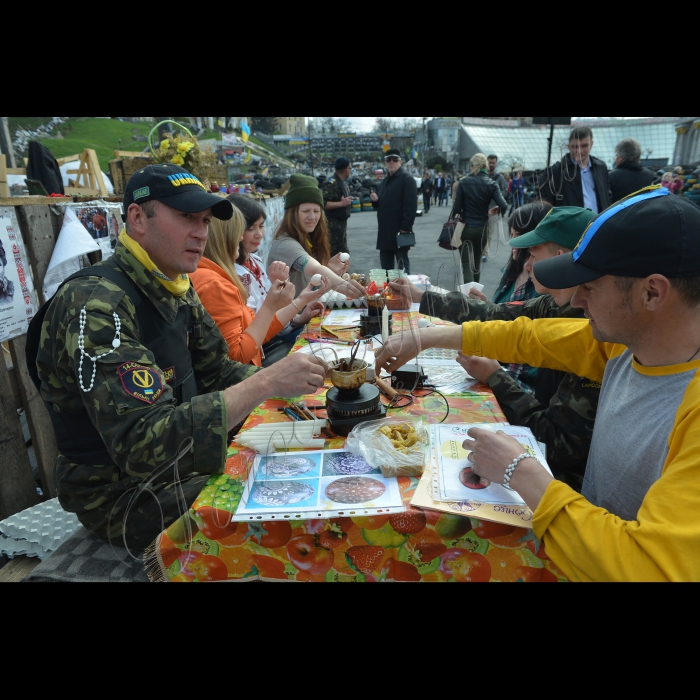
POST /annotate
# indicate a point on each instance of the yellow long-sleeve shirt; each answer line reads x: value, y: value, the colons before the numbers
x: 638, y: 519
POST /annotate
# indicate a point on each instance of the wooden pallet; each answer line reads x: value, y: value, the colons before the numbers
x: 40, y: 227
x: 18, y: 569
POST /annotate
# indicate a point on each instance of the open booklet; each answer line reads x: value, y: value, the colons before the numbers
x: 453, y: 478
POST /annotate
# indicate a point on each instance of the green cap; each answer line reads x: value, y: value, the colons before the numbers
x: 303, y: 189
x: 563, y: 226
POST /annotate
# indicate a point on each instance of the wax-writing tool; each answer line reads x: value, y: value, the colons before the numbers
x: 330, y: 332
x: 292, y: 415
x: 385, y: 388
x: 303, y: 412
x: 308, y: 410
x: 302, y: 416
x: 314, y: 341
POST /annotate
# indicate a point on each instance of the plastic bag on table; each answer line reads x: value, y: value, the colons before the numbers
x: 398, y: 446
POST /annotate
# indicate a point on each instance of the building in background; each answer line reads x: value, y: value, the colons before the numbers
x: 521, y: 145
x: 688, y: 141
x: 292, y: 126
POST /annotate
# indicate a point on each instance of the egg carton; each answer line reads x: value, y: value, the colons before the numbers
x: 14, y: 548
x: 347, y: 304
x: 335, y: 300
x: 38, y: 531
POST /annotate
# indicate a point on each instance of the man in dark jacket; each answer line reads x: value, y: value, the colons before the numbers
x: 629, y: 175
x: 562, y: 413
x: 579, y: 180
x: 397, y: 204
x: 426, y: 189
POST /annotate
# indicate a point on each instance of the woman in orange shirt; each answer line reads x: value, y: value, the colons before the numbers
x: 223, y: 295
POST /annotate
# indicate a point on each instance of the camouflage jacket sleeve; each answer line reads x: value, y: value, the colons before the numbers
x: 457, y: 308
x: 214, y: 370
x: 565, y: 426
x: 331, y: 192
x: 141, y: 434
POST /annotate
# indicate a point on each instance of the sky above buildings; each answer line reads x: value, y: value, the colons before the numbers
x: 366, y: 123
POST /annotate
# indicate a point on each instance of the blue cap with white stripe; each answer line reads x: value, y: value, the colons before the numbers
x: 649, y: 232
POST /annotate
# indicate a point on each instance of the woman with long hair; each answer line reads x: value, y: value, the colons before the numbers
x: 474, y: 196
x: 516, y: 284
x: 224, y: 296
x: 302, y: 241
x: 249, y: 266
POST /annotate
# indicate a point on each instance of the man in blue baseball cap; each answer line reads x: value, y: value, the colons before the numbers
x: 637, y: 273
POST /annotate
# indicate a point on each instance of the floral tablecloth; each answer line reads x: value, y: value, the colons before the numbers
x: 415, y: 546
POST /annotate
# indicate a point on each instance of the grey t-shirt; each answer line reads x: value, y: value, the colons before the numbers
x: 636, y: 415
x: 288, y: 251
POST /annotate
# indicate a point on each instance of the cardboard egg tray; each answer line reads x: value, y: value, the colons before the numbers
x: 38, y: 531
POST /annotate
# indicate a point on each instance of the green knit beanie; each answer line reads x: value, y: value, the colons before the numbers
x: 303, y: 190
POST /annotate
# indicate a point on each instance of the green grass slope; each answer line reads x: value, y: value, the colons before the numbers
x: 103, y: 135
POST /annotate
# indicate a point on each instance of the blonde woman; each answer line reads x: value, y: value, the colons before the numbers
x: 474, y: 196
x: 252, y: 338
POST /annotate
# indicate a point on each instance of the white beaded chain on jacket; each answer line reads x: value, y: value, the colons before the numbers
x: 116, y: 344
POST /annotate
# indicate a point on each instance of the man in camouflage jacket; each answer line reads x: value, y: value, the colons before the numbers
x: 338, y: 206
x: 562, y: 413
x: 121, y: 429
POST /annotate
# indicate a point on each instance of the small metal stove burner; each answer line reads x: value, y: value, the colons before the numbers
x: 349, y: 409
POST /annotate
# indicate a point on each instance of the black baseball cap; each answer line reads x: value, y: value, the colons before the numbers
x: 650, y: 232
x: 175, y: 187
x: 342, y: 163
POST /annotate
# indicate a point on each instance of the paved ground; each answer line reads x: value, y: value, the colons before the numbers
x: 427, y: 257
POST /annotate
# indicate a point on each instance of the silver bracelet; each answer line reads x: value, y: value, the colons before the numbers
x: 511, y: 470
x: 294, y: 304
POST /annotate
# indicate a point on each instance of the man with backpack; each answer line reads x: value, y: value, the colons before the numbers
x: 136, y: 375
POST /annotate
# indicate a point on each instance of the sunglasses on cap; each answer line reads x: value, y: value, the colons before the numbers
x: 392, y: 159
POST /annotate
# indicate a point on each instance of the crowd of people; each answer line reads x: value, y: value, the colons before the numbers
x: 587, y: 342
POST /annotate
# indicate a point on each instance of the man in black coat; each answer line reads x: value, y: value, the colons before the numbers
x: 629, y: 175
x: 579, y: 180
x: 426, y: 190
x: 396, y: 205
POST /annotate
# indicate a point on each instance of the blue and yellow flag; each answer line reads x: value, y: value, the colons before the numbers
x: 266, y: 172
x: 247, y: 156
x: 246, y: 132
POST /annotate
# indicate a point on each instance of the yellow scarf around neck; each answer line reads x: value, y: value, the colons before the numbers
x: 177, y: 288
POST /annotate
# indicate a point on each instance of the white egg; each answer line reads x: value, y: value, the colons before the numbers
x: 316, y: 280
x: 344, y: 257
x: 423, y: 323
x: 346, y: 277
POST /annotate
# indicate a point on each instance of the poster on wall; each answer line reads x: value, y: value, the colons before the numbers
x: 102, y: 221
x: 18, y: 300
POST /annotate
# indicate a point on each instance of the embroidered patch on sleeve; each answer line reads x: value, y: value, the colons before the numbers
x: 169, y: 375
x: 143, y: 383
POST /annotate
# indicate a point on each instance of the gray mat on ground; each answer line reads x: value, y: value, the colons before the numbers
x: 84, y: 558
